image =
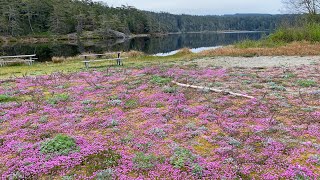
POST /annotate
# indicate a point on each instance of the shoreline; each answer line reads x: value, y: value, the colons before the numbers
x: 4, y: 40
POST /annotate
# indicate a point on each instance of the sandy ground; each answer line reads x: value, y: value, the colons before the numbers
x: 252, y: 62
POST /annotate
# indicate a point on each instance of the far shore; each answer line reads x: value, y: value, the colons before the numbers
x: 72, y: 37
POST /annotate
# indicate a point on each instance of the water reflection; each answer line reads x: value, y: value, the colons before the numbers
x: 149, y: 45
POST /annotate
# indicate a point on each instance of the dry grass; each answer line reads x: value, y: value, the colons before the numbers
x: 133, y: 54
x: 58, y: 59
x: 293, y: 49
x: 184, y: 51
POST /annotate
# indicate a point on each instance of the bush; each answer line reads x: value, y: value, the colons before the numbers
x: 105, y: 175
x: 309, y: 32
x: 181, y: 157
x: 197, y: 170
x: 158, y: 132
x: 60, y: 145
x: 144, y: 162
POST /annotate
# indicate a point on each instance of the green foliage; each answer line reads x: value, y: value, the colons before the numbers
x: 169, y: 89
x: 43, y: 119
x: 306, y: 83
x: 131, y: 103
x: 160, y: 80
x: 144, y: 162
x: 93, y: 19
x: 58, y: 98
x: 197, y: 170
x: 309, y: 32
x: 6, y: 98
x: 181, y: 157
x: 67, y: 178
x: 276, y: 87
x: 158, y: 132
x: 289, y: 75
x: 60, y: 145
x: 105, y: 175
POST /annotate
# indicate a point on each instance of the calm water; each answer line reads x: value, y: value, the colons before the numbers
x: 165, y: 45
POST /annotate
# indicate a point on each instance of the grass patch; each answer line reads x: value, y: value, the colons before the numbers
x: 6, y: 98
x: 59, y: 98
x: 307, y: 83
x: 160, y: 80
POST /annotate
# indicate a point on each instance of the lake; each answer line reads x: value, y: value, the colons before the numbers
x: 164, y: 45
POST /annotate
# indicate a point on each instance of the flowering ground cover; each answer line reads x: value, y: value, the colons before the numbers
x: 133, y: 123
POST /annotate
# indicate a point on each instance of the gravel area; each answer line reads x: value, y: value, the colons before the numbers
x: 252, y: 62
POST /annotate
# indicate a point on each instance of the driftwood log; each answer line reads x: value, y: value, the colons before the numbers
x: 214, y: 90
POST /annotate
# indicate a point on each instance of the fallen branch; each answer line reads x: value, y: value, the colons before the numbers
x: 214, y: 90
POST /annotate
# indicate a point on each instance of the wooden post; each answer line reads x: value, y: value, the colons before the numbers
x: 119, y: 61
x: 86, y: 63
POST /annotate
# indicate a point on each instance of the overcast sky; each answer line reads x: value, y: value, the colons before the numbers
x: 204, y: 7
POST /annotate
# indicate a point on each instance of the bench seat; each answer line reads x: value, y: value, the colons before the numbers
x: 119, y: 61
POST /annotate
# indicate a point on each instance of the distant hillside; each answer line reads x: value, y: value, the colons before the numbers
x: 61, y: 17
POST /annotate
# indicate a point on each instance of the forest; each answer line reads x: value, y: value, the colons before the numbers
x: 61, y: 17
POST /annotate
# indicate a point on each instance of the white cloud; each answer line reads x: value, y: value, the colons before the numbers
x: 202, y: 7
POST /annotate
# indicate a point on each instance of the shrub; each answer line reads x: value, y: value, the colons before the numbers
x: 43, y: 119
x: 144, y: 162
x: 115, y: 102
x: 61, y: 145
x: 197, y: 170
x: 181, y: 157
x: 307, y: 83
x: 105, y: 174
x: 160, y: 80
x: 158, y: 132
x: 6, y: 98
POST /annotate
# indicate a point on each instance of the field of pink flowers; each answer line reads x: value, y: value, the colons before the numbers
x: 135, y: 124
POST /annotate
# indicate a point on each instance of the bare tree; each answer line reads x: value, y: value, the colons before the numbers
x: 310, y: 7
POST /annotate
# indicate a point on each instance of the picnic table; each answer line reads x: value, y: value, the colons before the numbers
x: 98, y: 58
x: 29, y: 59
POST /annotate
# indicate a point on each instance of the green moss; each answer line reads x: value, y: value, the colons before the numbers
x: 61, y: 145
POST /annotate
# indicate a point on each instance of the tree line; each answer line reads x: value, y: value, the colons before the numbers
x: 42, y: 17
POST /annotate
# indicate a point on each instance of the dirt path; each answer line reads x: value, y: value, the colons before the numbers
x: 262, y: 61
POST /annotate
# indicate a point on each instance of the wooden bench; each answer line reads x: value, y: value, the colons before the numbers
x: 99, y: 58
x: 29, y: 59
